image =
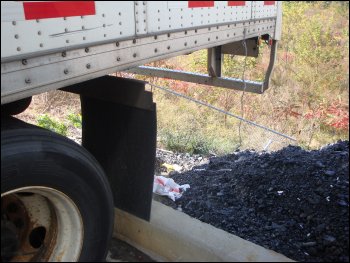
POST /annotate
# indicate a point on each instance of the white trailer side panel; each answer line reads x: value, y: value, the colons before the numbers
x: 112, y: 20
x: 40, y: 53
x: 175, y: 15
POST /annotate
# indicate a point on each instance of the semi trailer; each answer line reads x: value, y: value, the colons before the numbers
x: 58, y: 197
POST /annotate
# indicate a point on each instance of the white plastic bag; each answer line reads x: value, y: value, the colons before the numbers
x: 167, y: 186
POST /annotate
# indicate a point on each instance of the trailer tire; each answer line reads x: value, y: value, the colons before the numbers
x: 62, y: 178
x: 16, y: 107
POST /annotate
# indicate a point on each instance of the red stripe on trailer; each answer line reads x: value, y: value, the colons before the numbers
x: 192, y: 4
x: 236, y: 3
x: 269, y: 2
x: 40, y: 10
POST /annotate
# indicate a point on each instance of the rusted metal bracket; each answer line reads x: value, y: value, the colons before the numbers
x: 214, y: 61
x: 213, y: 78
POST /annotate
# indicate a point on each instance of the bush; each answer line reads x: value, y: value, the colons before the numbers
x: 46, y: 122
x: 75, y: 119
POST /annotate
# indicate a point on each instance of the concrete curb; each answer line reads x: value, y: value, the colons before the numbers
x: 174, y: 236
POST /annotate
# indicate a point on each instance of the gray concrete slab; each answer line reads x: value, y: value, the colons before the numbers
x: 174, y: 236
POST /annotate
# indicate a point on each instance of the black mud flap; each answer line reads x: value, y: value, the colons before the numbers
x: 119, y: 129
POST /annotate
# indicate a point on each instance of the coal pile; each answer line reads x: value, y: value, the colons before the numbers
x: 293, y: 201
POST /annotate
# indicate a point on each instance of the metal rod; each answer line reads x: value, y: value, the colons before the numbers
x: 222, y: 111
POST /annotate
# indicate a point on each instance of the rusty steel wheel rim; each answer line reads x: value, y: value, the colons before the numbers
x: 41, y: 224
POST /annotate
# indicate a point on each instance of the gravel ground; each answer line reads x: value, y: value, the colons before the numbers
x: 292, y: 201
x: 120, y: 251
x: 185, y: 161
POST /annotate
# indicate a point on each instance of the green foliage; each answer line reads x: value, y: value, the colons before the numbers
x: 46, y: 122
x: 182, y: 141
x: 75, y: 120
